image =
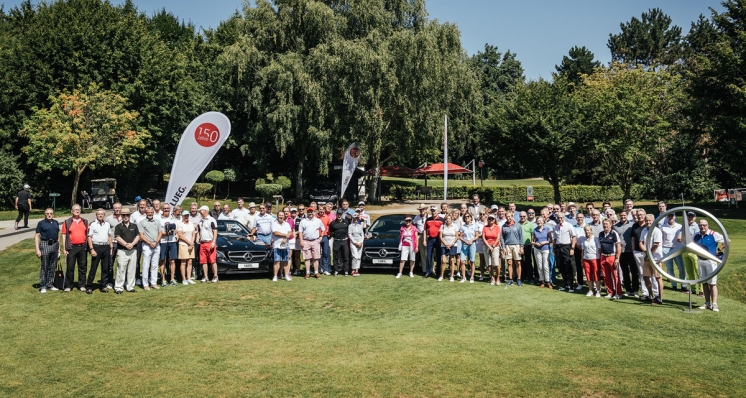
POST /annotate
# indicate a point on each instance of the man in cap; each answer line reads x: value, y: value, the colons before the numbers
x: 339, y: 229
x: 23, y: 205
x: 432, y: 230
x: 208, y: 235
x: 364, y: 217
x: 419, y: 223
x: 310, y: 231
x: 127, y: 236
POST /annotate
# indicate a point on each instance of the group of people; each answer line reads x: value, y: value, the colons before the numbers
x: 601, y: 247
x: 604, y: 249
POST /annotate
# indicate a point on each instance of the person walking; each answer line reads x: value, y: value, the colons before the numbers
x: 610, y: 249
x: 187, y: 233
x: 150, y: 236
x: 491, y: 239
x: 282, y: 231
x: 407, y: 246
x: 127, y: 236
x: 74, y: 238
x: 541, y: 239
x: 339, y: 229
x: 469, y: 236
x: 46, y: 241
x: 23, y: 205
x: 565, y: 241
x: 511, y: 240
x: 100, y: 246
x: 356, y: 235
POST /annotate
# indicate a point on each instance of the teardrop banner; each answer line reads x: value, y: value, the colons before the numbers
x: 198, y: 145
x: 348, y: 166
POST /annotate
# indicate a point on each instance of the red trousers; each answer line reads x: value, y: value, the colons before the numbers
x: 611, y: 277
x: 591, y: 270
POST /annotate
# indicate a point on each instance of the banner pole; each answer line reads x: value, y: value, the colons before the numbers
x: 445, y: 160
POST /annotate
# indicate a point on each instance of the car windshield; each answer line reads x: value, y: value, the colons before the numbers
x: 387, y: 225
x: 232, y: 228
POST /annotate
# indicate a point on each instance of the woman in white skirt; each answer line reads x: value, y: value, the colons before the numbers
x: 356, y: 235
x: 407, y: 246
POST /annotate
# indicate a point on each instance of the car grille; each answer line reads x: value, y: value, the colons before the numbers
x: 375, y: 252
x: 240, y: 256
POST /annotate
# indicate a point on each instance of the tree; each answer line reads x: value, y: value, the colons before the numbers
x: 718, y: 106
x: 11, y: 178
x: 215, y: 177
x: 579, y: 62
x: 199, y: 190
x: 231, y: 175
x: 540, y: 122
x: 629, y: 121
x: 83, y: 130
x: 646, y: 41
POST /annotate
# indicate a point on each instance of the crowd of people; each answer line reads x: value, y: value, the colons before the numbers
x: 599, y: 248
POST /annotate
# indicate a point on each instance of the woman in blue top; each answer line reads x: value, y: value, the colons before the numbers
x: 469, y: 236
x: 541, y: 239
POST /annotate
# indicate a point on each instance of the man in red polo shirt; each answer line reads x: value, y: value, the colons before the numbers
x: 325, y: 263
x: 74, y: 236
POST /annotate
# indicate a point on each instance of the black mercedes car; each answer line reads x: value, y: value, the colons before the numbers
x: 324, y: 192
x: 237, y: 254
x: 381, y: 245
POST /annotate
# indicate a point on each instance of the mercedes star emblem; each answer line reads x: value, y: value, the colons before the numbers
x: 247, y: 256
x: 383, y: 252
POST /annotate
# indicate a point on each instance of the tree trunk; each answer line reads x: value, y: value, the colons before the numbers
x: 228, y: 193
x: 299, y: 181
x: 78, y: 172
x: 373, y: 183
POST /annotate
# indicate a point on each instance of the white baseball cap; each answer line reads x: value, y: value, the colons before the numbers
x: 26, y: 186
x: 204, y: 208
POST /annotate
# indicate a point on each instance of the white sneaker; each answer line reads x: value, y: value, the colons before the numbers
x: 452, y: 279
x: 440, y: 279
x: 274, y: 279
x: 192, y: 281
x: 715, y: 307
x: 458, y: 274
x: 398, y: 276
x: 288, y: 278
x: 82, y: 289
x: 203, y: 280
x: 43, y: 290
x: 609, y: 296
x: 411, y: 275
x: 215, y: 280
x: 471, y: 280
x: 326, y: 273
x: 590, y: 294
x: 580, y: 287
x: 463, y: 280
x: 185, y: 282
x: 571, y: 291
x: 598, y: 294
x: 54, y: 289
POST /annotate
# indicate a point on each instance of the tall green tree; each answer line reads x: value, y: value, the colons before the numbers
x: 646, y: 41
x: 579, y: 61
x: 83, y: 130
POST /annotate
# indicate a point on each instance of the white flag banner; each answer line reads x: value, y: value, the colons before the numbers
x: 348, y: 166
x: 198, y: 145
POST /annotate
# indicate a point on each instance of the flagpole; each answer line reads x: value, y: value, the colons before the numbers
x: 445, y: 160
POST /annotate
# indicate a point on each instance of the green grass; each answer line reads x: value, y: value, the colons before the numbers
x: 367, y: 336
x: 464, y: 182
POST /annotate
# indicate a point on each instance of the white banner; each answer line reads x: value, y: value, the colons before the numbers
x: 348, y: 167
x: 198, y: 145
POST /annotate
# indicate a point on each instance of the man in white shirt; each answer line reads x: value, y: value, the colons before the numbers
x: 239, y: 214
x: 150, y: 236
x: 565, y: 239
x: 281, y: 234
x: 670, y: 228
x: 309, y: 233
x: 99, y: 243
x: 263, y: 226
x: 157, y: 208
x: 208, y: 236
x: 135, y: 218
x: 113, y: 219
x: 648, y: 270
x: 169, y: 246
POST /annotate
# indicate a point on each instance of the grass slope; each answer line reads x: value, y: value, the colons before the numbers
x: 367, y: 336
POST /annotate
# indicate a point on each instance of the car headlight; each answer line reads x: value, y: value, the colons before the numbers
x: 311, y: 196
x: 333, y: 198
x: 221, y: 255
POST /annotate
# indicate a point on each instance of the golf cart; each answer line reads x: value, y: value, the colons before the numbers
x: 103, y: 192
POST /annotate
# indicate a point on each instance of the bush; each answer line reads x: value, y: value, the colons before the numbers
x: 199, y: 190
x: 215, y: 177
x: 268, y: 190
x: 284, y: 182
x: 11, y: 179
x: 576, y: 193
x: 259, y: 181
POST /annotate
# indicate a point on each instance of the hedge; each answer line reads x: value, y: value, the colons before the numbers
x: 268, y: 190
x: 576, y: 193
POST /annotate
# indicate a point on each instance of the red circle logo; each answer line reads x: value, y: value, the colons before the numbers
x: 207, y: 134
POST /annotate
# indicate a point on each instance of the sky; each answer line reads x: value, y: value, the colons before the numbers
x: 540, y: 32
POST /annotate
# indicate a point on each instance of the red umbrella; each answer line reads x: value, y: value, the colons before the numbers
x: 394, y: 171
x: 438, y: 168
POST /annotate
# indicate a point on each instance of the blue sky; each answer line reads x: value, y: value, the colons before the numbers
x: 539, y: 31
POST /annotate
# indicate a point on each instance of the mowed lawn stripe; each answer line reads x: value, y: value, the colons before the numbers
x: 367, y: 336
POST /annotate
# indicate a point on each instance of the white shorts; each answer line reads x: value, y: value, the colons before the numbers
x: 407, y: 254
x: 707, y: 267
x: 514, y: 252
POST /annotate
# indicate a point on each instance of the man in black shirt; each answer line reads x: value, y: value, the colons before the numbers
x: 127, y: 236
x: 338, y: 231
x: 23, y: 205
x: 47, y: 245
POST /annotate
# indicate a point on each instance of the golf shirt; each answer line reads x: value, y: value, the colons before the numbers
x: 624, y: 230
x: 432, y: 225
x: 78, y: 231
x: 284, y: 228
x: 311, y: 228
x: 23, y: 197
x: 597, y: 228
x: 187, y: 229
x: 419, y: 223
x: 709, y: 241
x: 128, y: 233
x: 469, y: 231
x: 339, y: 229
x: 449, y: 234
x: 657, y: 238
x: 136, y: 217
x: 326, y: 221
x: 591, y: 248
x: 99, y: 232
x: 669, y: 232
x: 263, y: 224
x: 166, y: 238
x: 511, y: 234
x: 48, y: 230
x: 206, y: 226
x: 149, y: 229
x: 608, y: 242
x: 113, y: 222
x: 563, y: 233
x: 542, y: 235
x: 195, y: 219
x: 355, y: 233
x: 637, y: 237
x: 527, y: 227
x: 240, y: 215
x: 491, y: 235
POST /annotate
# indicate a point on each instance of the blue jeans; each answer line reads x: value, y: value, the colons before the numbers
x: 679, y: 264
x: 551, y: 267
x: 433, y: 249
x: 326, y: 263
